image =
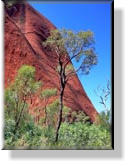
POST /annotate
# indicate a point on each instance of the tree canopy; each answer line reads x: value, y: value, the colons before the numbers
x: 78, y: 45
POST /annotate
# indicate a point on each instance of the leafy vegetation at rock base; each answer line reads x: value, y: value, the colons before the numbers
x: 71, y: 136
x: 20, y: 131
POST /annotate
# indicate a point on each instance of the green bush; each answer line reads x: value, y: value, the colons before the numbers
x: 76, y: 133
x: 8, y: 132
x: 84, y: 136
x: 32, y: 135
x: 29, y: 136
x: 71, y: 136
x: 79, y: 136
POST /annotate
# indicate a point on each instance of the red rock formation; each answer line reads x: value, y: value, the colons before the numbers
x: 25, y: 30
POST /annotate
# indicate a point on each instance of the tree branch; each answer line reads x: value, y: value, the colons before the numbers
x: 72, y: 73
x: 70, y: 59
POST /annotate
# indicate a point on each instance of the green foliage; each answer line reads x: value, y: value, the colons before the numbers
x: 77, y: 135
x: 49, y: 134
x: 21, y: 90
x: 52, y: 111
x: 65, y: 113
x: 25, y: 83
x: 81, y: 117
x: 78, y: 45
x: 69, y: 68
x: 55, y: 40
x: 9, y: 128
x: 10, y: 103
x: 32, y: 134
x: 29, y: 136
x: 105, y: 119
x: 53, y: 107
x: 83, y: 136
x: 47, y: 93
x: 48, y: 115
x: 16, y: 107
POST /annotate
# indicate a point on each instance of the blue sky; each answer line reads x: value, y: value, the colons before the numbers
x: 82, y: 16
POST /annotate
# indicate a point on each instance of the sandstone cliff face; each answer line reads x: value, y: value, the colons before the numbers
x: 25, y: 30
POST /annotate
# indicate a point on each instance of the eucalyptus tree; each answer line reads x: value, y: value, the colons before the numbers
x: 70, y: 48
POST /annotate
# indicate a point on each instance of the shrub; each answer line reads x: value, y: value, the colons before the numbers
x: 84, y: 136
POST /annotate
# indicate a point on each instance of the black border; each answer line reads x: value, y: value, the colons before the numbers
x: 112, y: 69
